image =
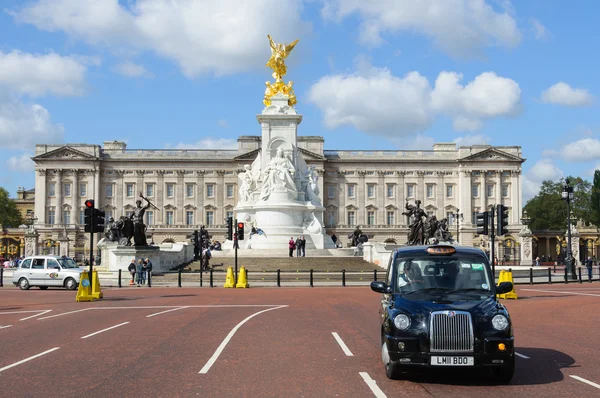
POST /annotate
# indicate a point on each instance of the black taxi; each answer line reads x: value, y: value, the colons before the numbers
x: 439, y: 309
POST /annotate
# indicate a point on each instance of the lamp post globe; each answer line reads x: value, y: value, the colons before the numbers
x: 567, y: 195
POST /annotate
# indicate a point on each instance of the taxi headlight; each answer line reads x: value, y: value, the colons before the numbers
x: 402, y: 322
x: 499, y: 322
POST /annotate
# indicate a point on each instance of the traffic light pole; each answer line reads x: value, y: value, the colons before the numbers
x: 235, y: 247
x: 493, y: 240
x: 91, y: 253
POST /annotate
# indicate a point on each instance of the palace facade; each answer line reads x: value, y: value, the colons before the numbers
x: 191, y: 188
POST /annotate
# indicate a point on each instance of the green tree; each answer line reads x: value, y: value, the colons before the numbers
x: 547, y: 210
x: 595, y: 199
x: 9, y: 214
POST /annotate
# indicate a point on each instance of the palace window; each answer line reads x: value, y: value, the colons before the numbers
x: 83, y: 189
x: 430, y: 213
x: 430, y: 191
x: 474, y: 217
x: 331, y: 218
x: 351, y: 218
x: 170, y: 190
x: 390, y: 190
x: 410, y: 191
x: 210, y: 215
x: 130, y: 189
x: 371, y: 218
x: 390, y: 218
x: 229, y: 189
x: 189, y: 191
x: 371, y: 191
x: 169, y: 217
x: 331, y: 191
x: 109, y: 190
x: 210, y: 190
x: 149, y: 217
x: 449, y: 190
x: 351, y: 190
x: 82, y: 217
x: 450, y: 217
x: 149, y: 190
x: 490, y: 190
x: 505, y: 190
x: 108, y: 214
x: 66, y: 217
x: 52, y: 189
x: 229, y: 213
x: 67, y: 189
x: 51, y: 217
x: 475, y: 190
x: 189, y: 218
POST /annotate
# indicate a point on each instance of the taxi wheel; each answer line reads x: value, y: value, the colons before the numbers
x: 392, y: 370
x: 43, y: 287
x: 23, y: 284
x: 70, y: 284
x: 505, y: 374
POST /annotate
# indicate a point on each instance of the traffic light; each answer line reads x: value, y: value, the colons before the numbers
x: 88, y: 213
x: 229, y: 228
x: 99, y: 217
x: 240, y: 231
x: 482, y: 221
x: 194, y: 240
x: 502, y: 220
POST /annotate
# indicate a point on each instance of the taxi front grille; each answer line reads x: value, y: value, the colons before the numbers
x: 451, y: 331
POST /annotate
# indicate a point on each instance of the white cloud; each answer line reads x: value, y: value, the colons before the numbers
x: 459, y: 27
x: 21, y: 163
x: 212, y: 36
x: 563, y: 94
x: 131, y: 69
x: 24, y: 125
x: 582, y: 150
x: 39, y: 75
x: 208, y: 143
x: 469, y: 140
x: 223, y: 123
x: 376, y: 102
x: 540, y: 31
x: 542, y: 170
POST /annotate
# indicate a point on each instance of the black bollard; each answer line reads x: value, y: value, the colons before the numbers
x: 179, y: 278
x: 344, y: 277
x: 549, y: 275
x: 1, y: 277
x: 566, y: 277
x: 120, y: 285
x: 374, y: 275
x: 278, y: 278
x: 149, y: 278
x: 211, y: 278
x: 580, y: 281
x: 200, y: 278
x: 531, y: 276
x: 311, y: 278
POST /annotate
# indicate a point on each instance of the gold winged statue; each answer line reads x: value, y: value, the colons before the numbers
x: 279, y: 52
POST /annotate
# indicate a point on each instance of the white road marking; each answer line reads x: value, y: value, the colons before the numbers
x: 221, y: 347
x: 20, y: 312
x: 188, y: 306
x: 28, y: 359
x: 104, y: 330
x: 581, y: 379
x: 4, y: 327
x: 521, y: 355
x: 33, y: 316
x: 65, y: 313
x: 555, y: 291
x: 163, y: 312
x: 372, y: 385
x: 342, y: 344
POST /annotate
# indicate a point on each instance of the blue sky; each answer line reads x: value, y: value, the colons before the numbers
x: 385, y: 74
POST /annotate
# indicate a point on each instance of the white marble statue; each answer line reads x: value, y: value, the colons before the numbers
x: 312, y: 188
x: 279, y: 173
x: 247, y: 184
x: 312, y: 225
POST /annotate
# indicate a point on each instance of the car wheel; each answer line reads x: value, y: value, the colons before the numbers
x: 505, y: 374
x: 23, y: 284
x: 70, y: 284
x: 43, y: 287
x: 392, y: 370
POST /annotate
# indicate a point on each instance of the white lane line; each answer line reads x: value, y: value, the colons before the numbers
x: 221, y: 347
x: 19, y: 312
x: 33, y: 316
x: 188, y: 306
x: 104, y: 330
x: 28, y: 359
x: 555, y: 291
x: 581, y: 379
x: 342, y: 344
x: 521, y: 355
x: 4, y: 327
x: 372, y: 385
x: 164, y: 312
x: 64, y: 313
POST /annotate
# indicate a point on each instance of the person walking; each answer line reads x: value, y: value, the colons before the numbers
x: 292, y: 246
x: 588, y: 264
x: 298, y: 247
x: 303, y: 246
x: 139, y: 266
x: 334, y: 239
x: 149, y: 271
x: 537, y: 261
x: 131, y: 270
x: 144, y: 271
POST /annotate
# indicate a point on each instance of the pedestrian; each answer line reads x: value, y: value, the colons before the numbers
x: 144, y: 271
x: 131, y: 270
x: 149, y: 270
x: 138, y: 270
x: 334, y: 239
x: 537, y: 261
x: 588, y: 264
x: 206, y: 256
x: 303, y: 245
x: 298, y: 247
x: 292, y: 246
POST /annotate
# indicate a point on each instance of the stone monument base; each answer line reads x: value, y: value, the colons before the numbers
x: 164, y: 257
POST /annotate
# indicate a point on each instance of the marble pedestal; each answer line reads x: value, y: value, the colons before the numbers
x: 164, y: 257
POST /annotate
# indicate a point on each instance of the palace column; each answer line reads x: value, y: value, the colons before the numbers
x: 118, y: 196
x: 200, y: 197
x: 483, y: 189
x: 179, y: 195
x: 341, y: 194
x: 380, y: 197
x: 97, y: 186
x: 400, y: 196
x: 40, y: 196
x: 75, y: 200
x: 220, y: 193
x: 464, y: 191
x: 498, y: 174
x: 515, y: 196
x: 160, y: 197
x: 420, y: 194
x: 360, y: 198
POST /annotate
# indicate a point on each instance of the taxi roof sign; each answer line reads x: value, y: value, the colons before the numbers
x: 441, y: 250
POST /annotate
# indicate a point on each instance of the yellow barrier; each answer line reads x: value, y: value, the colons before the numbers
x: 229, y: 281
x: 506, y: 276
x: 88, y: 290
x: 243, y: 279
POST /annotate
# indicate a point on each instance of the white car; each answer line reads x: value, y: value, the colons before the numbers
x: 46, y: 271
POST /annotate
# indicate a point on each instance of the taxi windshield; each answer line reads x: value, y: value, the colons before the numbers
x: 443, y: 274
x: 67, y: 263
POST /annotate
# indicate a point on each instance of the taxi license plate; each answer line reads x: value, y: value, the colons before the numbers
x: 452, y: 361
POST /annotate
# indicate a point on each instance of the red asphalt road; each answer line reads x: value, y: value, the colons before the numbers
x: 289, y: 351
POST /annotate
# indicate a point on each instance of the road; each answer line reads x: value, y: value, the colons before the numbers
x: 270, y: 342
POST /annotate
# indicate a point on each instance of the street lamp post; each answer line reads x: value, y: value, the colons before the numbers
x: 567, y: 195
x: 458, y: 217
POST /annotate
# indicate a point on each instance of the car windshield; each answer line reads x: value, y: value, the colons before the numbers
x: 67, y: 263
x: 435, y: 275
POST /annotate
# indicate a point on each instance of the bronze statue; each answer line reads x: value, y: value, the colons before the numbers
x: 416, y: 234
x: 139, y: 229
x: 126, y: 226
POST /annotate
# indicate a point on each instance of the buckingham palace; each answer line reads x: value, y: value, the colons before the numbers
x: 190, y: 188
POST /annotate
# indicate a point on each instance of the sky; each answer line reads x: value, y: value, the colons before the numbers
x: 368, y: 74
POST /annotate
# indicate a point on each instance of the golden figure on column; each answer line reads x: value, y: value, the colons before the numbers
x: 279, y: 52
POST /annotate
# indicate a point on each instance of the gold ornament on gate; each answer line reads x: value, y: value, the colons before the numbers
x: 279, y: 52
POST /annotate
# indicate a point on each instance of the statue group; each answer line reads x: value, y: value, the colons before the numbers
x: 424, y: 229
x: 126, y: 228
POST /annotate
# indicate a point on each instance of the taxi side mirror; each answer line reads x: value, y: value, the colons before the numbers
x: 504, y: 287
x: 380, y: 287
